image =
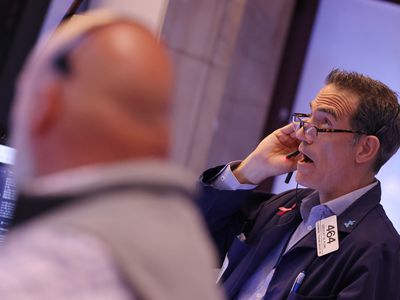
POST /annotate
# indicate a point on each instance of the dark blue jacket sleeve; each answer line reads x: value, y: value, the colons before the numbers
x: 227, y: 213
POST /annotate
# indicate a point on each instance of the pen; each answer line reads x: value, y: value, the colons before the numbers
x: 293, y: 154
x: 289, y: 175
x: 290, y: 155
x: 297, y: 282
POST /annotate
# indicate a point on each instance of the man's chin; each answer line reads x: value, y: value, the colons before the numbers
x: 305, y: 181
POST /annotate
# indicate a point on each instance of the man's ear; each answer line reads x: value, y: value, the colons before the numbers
x: 368, y: 147
x: 48, y: 108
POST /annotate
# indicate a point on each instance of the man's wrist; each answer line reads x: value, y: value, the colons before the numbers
x: 250, y: 172
x: 226, y: 180
x: 240, y: 175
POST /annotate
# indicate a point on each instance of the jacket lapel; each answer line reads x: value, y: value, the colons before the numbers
x: 268, y: 239
x: 349, y: 219
x: 353, y: 215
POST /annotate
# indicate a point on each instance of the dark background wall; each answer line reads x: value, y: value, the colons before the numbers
x: 20, y: 23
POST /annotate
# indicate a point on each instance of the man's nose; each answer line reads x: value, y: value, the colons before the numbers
x: 303, y: 137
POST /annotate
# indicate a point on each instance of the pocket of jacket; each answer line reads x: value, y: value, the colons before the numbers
x: 238, y: 249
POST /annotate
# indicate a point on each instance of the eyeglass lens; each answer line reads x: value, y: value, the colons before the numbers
x: 308, y: 128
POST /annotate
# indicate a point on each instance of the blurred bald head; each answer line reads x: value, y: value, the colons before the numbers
x: 97, y: 92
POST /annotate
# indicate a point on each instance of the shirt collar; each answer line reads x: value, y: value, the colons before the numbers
x: 340, y: 204
x: 89, y: 177
x: 337, y: 206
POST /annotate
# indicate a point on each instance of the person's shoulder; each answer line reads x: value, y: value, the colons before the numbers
x: 387, y: 226
x: 377, y: 229
x: 50, y: 259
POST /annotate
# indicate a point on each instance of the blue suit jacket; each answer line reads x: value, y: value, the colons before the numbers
x: 366, y: 266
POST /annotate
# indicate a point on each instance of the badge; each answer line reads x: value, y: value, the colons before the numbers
x: 327, y: 235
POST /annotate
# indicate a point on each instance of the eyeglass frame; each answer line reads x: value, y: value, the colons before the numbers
x: 332, y: 130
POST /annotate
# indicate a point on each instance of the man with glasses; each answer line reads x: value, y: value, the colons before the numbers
x: 331, y: 240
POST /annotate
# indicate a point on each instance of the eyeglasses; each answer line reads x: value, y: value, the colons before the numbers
x: 299, y: 120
